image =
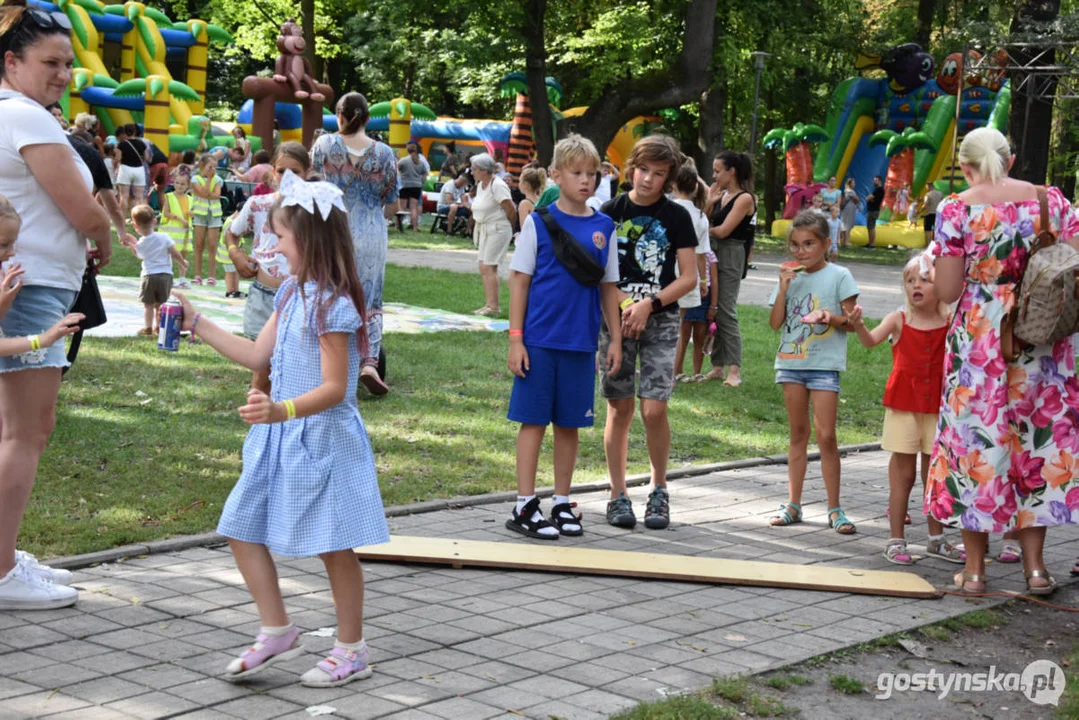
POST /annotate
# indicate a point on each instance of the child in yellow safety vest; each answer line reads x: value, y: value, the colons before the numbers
x: 206, y: 216
x: 176, y: 220
x: 232, y: 278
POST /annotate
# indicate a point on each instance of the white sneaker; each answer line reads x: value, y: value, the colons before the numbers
x: 23, y: 589
x: 57, y: 575
x: 182, y: 284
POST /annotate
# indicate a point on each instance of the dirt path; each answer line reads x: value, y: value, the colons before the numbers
x: 1003, y: 640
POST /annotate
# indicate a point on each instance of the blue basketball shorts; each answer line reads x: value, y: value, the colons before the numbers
x: 559, y: 387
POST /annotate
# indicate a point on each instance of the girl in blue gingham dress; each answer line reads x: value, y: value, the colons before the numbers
x: 308, y: 485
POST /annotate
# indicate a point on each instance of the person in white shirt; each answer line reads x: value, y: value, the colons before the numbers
x: 49, y: 186
x: 454, y: 199
x: 157, y: 252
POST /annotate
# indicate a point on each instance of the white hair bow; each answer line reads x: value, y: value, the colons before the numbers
x: 925, y: 264
x: 295, y: 190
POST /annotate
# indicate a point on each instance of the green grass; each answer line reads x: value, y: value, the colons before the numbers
x: 683, y: 707
x: 784, y: 682
x: 1068, y: 708
x: 424, y: 240
x: 123, y: 467
x: 978, y: 620
x: 726, y: 698
x: 772, y: 245
x: 846, y: 684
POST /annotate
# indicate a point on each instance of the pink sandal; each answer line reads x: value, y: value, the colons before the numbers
x: 265, y: 652
x: 340, y: 667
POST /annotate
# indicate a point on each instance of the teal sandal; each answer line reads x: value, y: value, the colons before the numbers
x: 841, y: 524
x: 785, y: 516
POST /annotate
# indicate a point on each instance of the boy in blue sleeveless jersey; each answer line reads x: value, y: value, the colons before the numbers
x: 554, y: 335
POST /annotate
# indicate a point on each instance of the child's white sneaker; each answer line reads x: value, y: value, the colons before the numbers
x: 182, y: 284
x: 56, y: 575
x: 23, y: 589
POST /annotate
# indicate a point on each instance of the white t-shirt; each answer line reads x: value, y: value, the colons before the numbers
x: 153, y: 250
x: 450, y: 188
x: 524, y: 255
x: 49, y: 248
x: 700, y: 225
x: 253, y: 220
x: 487, y: 207
x: 603, y: 190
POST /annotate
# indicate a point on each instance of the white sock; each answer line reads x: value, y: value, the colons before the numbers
x: 354, y: 647
x: 936, y: 538
x: 275, y: 631
x: 523, y: 500
x: 569, y: 520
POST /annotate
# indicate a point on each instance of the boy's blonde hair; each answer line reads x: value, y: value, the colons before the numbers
x: 8, y: 211
x: 143, y: 215
x: 656, y: 149
x: 575, y: 149
x: 535, y: 178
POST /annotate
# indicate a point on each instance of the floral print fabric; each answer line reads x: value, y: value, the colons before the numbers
x: 1007, y: 452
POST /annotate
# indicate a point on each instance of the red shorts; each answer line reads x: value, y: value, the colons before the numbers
x: 159, y: 174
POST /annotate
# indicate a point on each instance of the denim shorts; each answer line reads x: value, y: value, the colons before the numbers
x: 827, y: 380
x: 257, y: 309
x: 206, y: 221
x: 36, y: 309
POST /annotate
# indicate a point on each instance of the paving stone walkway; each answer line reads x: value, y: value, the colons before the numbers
x: 149, y: 635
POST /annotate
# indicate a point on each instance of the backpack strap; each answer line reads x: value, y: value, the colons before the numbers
x: 1045, y: 236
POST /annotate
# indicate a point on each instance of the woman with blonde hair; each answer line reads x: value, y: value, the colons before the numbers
x: 1007, y: 430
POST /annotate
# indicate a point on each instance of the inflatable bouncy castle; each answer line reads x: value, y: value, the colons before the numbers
x: 902, y: 127
x: 140, y: 43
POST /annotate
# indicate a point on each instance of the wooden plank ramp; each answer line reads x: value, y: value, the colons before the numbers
x: 541, y: 556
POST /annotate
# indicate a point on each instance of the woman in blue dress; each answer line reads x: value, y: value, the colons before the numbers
x: 308, y: 485
x: 366, y: 172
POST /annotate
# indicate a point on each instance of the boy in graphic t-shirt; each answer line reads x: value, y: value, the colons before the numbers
x: 655, y: 235
x: 554, y: 327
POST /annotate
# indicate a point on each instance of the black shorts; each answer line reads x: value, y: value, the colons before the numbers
x: 871, y: 218
x: 930, y: 222
x: 410, y: 193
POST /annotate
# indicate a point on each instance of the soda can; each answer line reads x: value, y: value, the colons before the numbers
x: 172, y: 319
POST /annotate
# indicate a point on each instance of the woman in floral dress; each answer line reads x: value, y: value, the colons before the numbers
x: 366, y: 171
x: 1007, y: 456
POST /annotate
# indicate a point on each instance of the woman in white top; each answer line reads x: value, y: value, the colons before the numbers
x: 495, y: 215
x: 50, y: 187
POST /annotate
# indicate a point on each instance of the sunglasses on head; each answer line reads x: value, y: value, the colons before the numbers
x: 48, y: 20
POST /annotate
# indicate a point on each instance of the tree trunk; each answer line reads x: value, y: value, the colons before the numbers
x: 771, y: 192
x: 926, y: 11
x: 710, y: 134
x: 536, y: 76
x: 1032, y: 104
x: 624, y: 99
x: 307, y: 22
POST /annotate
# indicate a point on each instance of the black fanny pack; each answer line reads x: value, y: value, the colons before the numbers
x: 574, y: 257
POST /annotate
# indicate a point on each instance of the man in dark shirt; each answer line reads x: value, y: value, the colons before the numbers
x: 872, y: 209
x: 103, y: 187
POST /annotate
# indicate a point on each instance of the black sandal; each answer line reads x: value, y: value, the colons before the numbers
x: 560, y: 520
x: 522, y: 522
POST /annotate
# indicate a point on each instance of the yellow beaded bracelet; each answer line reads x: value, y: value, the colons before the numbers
x: 626, y: 303
x: 290, y: 409
x: 35, y: 342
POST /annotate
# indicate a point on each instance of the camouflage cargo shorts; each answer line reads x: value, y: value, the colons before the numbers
x: 656, y: 349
